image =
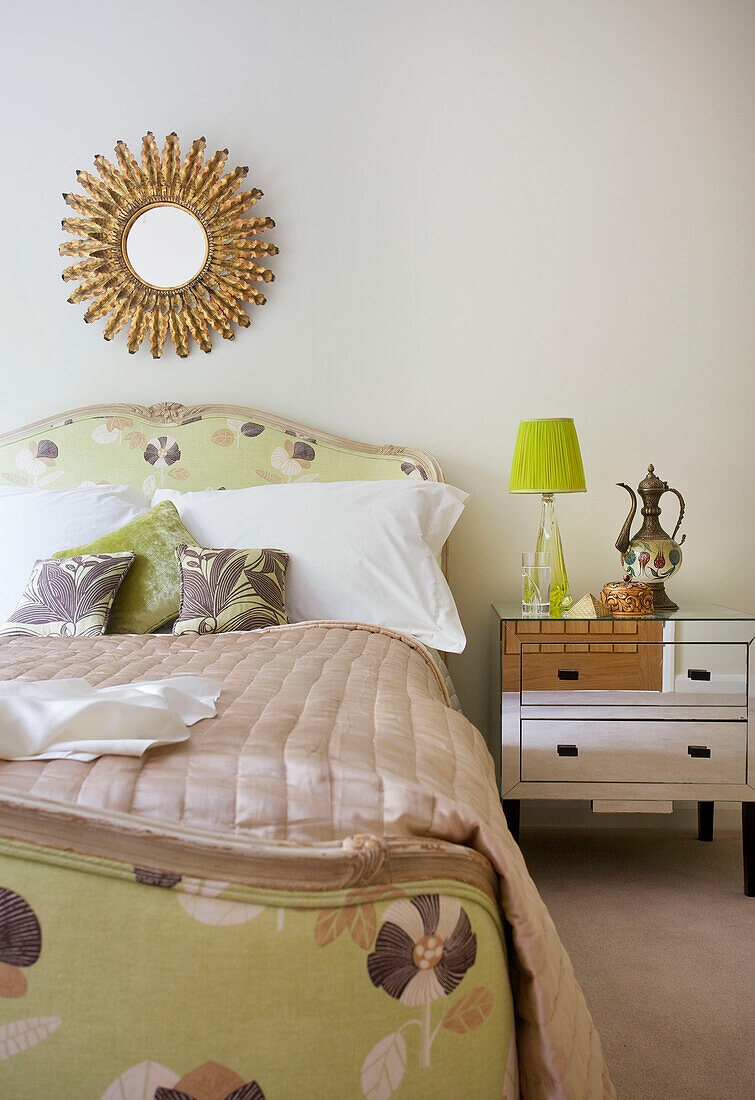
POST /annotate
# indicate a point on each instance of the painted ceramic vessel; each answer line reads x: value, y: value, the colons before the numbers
x: 652, y: 560
x: 651, y: 556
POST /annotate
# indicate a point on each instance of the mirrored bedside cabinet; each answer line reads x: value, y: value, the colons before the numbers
x: 629, y: 714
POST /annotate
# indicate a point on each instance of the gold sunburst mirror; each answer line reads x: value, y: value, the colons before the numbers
x: 167, y: 247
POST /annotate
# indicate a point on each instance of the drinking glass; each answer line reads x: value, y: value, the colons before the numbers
x: 536, y: 586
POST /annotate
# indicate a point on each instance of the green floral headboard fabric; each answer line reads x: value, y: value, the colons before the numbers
x: 206, y: 447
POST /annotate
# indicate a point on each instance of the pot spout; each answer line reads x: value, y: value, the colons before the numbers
x: 622, y: 541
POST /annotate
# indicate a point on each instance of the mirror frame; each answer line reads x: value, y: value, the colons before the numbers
x: 216, y: 296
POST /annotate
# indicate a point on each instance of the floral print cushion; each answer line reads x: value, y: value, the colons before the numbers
x: 230, y: 590
x: 69, y: 597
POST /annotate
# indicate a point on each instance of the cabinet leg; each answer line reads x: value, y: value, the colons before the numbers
x: 705, y: 820
x: 748, y: 846
x: 511, y: 808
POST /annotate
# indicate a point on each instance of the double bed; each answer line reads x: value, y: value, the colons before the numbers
x: 316, y: 894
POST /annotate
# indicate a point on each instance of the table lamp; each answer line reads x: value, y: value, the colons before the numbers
x: 547, y: 461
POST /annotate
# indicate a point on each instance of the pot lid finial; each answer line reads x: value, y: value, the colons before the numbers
x: 651, y: 481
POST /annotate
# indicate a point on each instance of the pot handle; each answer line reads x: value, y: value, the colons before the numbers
x: 681, y: 512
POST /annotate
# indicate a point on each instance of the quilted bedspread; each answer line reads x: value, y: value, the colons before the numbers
x: 325, y: 730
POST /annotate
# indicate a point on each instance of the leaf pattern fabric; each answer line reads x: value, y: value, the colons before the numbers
x: 225, y: 590
x: 19, y: 1035
x: 69, y: 597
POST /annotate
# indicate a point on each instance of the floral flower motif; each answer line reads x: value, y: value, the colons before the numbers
x: 630, y: 556
x: 250, y: 430
x: 643, y: 558
x: 149, y: 877
x: 674, y: 556
x: 20, y: 942
x: 226, y: 437
x: 292, y: 457
x: 411, y: 469
x: 38, y: 457
x: 211, y: 1082
x: 162, y: 451
x: 110, y: 429
x: 423, y: 950
x: 250, y: 1091
x: 660, y: 561
x: 200, y: 899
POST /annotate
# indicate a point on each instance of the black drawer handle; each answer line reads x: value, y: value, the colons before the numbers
x: 701, y: 751
x: 568, y: 674
x: 570, y: 750
x: 698, y: 674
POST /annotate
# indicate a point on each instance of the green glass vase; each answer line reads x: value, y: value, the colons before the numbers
x: 549, y: 542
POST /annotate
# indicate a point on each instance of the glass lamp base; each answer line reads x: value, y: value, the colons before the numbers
x: 549, y: 542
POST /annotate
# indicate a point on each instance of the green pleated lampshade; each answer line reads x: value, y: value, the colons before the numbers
x: 546, y: 458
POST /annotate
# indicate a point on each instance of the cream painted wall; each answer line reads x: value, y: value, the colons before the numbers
x: 486, y: 210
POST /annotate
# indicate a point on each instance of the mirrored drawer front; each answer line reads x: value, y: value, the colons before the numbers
x: 647, y: 674
x: 634, y: 752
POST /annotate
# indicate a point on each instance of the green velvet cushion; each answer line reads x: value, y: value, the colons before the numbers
x: 150, y: 594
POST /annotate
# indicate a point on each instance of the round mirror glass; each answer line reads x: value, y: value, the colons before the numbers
x: 166, y: 246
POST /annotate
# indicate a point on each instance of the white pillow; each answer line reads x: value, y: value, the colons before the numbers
x: 34, y: 523
x: 364, y: 551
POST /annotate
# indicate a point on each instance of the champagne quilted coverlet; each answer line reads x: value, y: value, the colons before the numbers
x: 325, y: 730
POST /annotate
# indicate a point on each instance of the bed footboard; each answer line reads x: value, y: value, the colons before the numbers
x: 118, y: 982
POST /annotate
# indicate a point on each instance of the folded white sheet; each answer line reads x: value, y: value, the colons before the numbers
x: 46, y: 719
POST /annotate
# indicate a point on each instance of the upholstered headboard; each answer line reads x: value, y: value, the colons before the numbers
x: 199, y: 447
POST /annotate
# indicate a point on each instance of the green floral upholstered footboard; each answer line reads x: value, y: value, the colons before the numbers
x: 123, y: 983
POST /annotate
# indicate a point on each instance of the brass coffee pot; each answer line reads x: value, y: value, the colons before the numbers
x: 651, y: 555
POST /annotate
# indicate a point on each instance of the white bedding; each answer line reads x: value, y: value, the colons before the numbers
x: 35, y: 523
x: 362, y: 551
x: 50, y: 719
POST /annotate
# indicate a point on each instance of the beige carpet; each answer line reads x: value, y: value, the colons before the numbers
x: 663, y: 942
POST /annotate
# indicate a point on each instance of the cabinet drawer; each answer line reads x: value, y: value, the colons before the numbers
x: 710, y: 668
x: 634, y: 751
x: 714, y: 674
x: 570, y: 669
x: 606, y: 654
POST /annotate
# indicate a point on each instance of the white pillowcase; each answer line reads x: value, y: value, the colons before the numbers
x: 34, y: 523
x: 364, y: 551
